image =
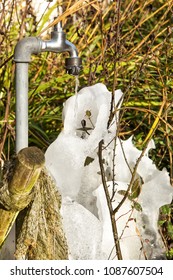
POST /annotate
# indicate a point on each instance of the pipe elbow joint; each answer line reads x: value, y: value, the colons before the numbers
x: 26, y: 47
x: 71, y: 49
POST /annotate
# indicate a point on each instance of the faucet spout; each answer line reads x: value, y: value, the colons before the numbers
x: 59, y: 44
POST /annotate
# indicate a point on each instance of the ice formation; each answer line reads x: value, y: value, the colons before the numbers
x: 72, y: 160
x: 129, y: 239
x: 83, y: 231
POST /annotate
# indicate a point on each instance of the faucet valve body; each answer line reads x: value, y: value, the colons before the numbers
x: 73, y: 65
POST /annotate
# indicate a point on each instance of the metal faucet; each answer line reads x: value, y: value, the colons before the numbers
x: 58, y: 44
x: 22, y: 57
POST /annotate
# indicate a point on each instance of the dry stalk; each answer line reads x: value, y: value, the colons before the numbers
x: 73, y: 9
x: 112, y: 214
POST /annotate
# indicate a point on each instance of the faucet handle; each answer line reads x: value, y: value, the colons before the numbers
x: 73, y: 65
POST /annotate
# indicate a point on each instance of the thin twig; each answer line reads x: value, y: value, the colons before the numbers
x: 132, y: 178
x: 117, y: 46
x: 112, y: 214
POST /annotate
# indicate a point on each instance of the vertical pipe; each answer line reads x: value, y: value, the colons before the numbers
x: 21, y: 106
x: 21, y: 83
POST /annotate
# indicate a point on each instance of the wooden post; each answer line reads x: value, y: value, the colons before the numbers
x: 18, y: 193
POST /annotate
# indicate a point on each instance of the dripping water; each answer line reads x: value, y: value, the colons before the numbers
x: 77, y: 84
x: 76, y: 95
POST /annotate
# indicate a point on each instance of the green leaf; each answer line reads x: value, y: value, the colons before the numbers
x: 136, y: 188
x: 88, y: 160
x: 170, y: 230
x: 170, y: 254
x: 166, y: 210
x: 122, y: 192
x: 161, y: 222
x: 137, y: 206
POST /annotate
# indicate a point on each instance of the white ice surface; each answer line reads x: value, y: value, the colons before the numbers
x: 125, y: 218
x: 88, y: 212
x: 83, y: 231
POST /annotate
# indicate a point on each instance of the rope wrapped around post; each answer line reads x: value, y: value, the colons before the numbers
x: 16, y: 187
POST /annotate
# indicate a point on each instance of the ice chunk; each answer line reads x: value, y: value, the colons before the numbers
x: 76, y: 142
x: 137, y: 230
x: 91, y: 179
x: 89, y: 99
x: 65, y: 161
x: 83, y: 231
x: 130, y: 242
x: 155, y: 193
x: 72, y: 159
x: 126, y: 156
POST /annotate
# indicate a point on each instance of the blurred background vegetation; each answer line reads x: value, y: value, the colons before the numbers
x: 123, y: 44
